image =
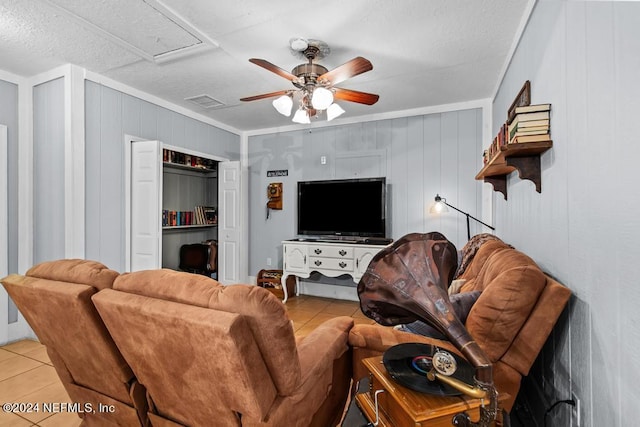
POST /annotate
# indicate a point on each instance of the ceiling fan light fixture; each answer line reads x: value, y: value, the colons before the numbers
x: 321, y: 98
x: 334, y: 111
x: 301, y: 117
x: 283, y: 105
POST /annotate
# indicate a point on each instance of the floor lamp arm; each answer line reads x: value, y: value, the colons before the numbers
x: 468, y: 215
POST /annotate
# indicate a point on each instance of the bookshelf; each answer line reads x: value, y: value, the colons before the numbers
x: 519, y: 143
x: 189, y: 202
x: 523, y: 157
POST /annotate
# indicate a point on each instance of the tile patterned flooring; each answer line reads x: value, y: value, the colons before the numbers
x: 26, y: 373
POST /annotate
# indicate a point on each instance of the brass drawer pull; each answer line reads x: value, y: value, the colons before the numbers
x: 317, y: 262
x: 318, y: 251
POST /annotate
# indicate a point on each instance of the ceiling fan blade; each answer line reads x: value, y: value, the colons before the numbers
x: 273, y: 68
x: 347, y: 70
x: 265, y: 95
x: 355, y: 96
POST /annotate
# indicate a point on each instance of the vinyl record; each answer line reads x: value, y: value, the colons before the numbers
x: 409, y: 363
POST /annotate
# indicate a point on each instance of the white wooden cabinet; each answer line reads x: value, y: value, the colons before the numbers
x: 302, y: 257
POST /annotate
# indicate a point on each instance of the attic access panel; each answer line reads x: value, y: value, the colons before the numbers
x: 146, y: 28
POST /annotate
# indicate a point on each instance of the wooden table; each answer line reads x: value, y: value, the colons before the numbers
x: 400, y: 406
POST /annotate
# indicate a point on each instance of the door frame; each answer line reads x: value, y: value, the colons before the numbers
x: 4, y: 234
x: 128, y: 141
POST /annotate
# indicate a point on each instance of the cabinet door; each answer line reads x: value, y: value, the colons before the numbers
x: 363, y: 257
x: 146, y: 202
x: 296, y: 258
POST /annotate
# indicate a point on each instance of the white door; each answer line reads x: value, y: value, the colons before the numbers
x: 229, y: 225
x: 146, y: 202
x: 4, y: 243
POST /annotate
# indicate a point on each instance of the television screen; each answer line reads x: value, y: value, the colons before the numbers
x: 348, y: 207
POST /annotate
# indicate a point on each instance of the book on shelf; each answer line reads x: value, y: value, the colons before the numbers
x: 526, y: 117
x: 537, y: 130
x: 170, y: 156
x: 177, y: 218
x: 533, y: 108
x: 531, y: 128
x: 530, y: 138
x: 533, y: 123
x: 206, y: 215
x: 517, y: 125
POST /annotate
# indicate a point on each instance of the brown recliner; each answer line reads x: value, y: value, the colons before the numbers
x: 55, y: 299
x: 511, y: 320
x: 225, y: 355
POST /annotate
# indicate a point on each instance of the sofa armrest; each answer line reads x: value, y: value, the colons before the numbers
x: 373, y: 340
x: 324, y: 383
x: 326, y: 343
x: 380, y: 338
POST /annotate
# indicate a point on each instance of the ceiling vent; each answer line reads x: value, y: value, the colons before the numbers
x: 205, y: 101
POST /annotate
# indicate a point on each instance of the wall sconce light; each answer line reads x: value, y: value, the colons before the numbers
x: 440, y: 205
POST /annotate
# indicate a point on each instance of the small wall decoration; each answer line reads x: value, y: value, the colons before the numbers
x: 274, y: 197
x: 522, y: 99
x: 281, y: 172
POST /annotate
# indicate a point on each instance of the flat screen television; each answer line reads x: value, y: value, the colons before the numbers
x: 346, y: 207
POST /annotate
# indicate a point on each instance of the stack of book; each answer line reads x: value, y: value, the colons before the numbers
x: 206, y: 215
x: 176, y: 218
x: 202, y: 215
x: 530, y: 124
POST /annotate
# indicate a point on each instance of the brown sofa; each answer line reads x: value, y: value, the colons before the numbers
x: 510, y: 321
x: 55, y: 299
x: 225, y: 355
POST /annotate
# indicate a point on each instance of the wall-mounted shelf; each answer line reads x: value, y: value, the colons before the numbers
x: 523, y: 157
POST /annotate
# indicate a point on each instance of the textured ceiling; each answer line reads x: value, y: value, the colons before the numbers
x: 424, y: 52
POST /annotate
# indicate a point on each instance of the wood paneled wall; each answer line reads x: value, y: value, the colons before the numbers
x: 582, y: 57
x: 420, y: 156
x: 110, y: 115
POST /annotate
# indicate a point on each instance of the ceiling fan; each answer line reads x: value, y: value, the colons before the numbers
x: 315, y: 88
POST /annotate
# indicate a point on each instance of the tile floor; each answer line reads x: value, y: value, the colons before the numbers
x: 26, y: 373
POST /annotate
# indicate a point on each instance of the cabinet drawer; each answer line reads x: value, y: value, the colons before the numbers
x: 331, y: 264
x: 331, y: 252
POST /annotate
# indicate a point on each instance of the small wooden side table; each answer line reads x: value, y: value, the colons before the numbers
x: 399, y: 406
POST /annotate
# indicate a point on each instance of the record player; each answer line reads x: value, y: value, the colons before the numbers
x: 405, y: 282
x: 387, y: 403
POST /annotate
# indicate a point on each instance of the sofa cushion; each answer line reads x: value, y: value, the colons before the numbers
x: 469, y: 250
x: 511, y: 283
x: 79, y: 271
x: 476, y: 264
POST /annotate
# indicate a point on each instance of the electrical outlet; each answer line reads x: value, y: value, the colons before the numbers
x: 323, y: 160
x: 269, y: 262
x: 576, y: 409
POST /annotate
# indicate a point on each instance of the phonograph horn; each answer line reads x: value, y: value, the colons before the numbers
x: 408, y: 281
